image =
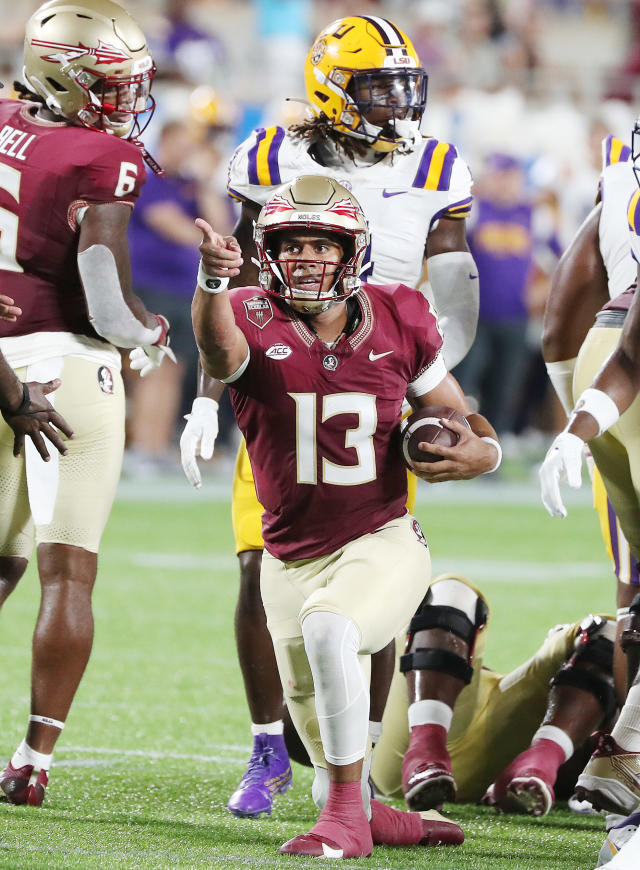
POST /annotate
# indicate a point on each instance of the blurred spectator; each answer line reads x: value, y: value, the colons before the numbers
x: 502, y: 240
x: 185, y: 52
x: 164, y: 260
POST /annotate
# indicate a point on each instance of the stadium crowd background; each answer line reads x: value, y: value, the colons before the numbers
x: 530, y: 85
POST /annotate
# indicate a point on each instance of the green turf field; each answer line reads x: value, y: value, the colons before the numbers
x: 158, y: 736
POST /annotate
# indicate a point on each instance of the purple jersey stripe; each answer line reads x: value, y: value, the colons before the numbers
x: 423, y: 168
x: 274, y: 168
x: 235, y: 195
x: 613, y: 537
x: 607, y: 150
x: 253, y: 157
x: 447, y: 166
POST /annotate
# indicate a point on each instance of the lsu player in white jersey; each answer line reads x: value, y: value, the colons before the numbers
x: 366, y: 92
x: 611, y: 779
x: 597, y: 266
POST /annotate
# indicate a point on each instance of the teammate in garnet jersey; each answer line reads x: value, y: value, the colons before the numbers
x: 318, y: 367
x: 68, y: 181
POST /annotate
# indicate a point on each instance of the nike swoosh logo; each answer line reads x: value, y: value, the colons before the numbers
x: 374, y: 356
x: 472, y: 276
x: 387, y: 193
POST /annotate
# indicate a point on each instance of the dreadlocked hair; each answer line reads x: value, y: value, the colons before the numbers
x: 320, y: 128
x: 25, y: 93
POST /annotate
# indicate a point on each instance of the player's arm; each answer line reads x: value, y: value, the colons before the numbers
x: 27, y: 411
x: 453, y: 277
x: 612, y: 391
x: 224, y: 352
x: 477, y: 451
x: 116, y: 313
x: 579, y: 289
x: 199, y: 434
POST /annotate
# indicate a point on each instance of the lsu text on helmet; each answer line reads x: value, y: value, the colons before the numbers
x: 311, y: 204
x: 366, y: 66
x: 90, y: 64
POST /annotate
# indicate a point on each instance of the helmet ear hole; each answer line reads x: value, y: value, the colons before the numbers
x: 56, y: 85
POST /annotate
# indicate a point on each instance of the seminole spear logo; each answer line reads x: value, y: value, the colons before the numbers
x: 103, y: 53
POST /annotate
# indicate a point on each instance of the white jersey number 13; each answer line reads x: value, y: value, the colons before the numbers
x: 359, y: 438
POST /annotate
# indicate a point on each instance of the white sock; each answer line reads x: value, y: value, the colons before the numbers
x: 626, y: 731
x: 268, y: 728
x: 430, y: 713
x: 24, y: 754
x: 557, y: 736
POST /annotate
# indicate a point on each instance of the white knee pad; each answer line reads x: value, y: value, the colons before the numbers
x: 332, y: 642
x: 453, y: 593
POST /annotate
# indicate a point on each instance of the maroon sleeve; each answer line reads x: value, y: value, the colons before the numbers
x: 115, y: 173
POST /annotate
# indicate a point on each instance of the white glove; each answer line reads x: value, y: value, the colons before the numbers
x: 563, y: 461
x: 198, y: 437
x: 148, y: 358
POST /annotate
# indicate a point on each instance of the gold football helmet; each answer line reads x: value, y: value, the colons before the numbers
x: 90, y: 64
x: 364, y: 75
x: 311, y: 203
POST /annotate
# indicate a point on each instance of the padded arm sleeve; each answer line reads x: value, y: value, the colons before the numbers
x: 455, y: 288
x: 110, y: 315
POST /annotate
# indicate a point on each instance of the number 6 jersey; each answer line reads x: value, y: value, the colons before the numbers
x: 48, y: 172
x: 320, y: 423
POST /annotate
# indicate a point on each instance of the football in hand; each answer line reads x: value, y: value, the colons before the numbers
x: 424, y: 425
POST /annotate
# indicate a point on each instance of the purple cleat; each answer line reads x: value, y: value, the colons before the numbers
x: 268, y: 774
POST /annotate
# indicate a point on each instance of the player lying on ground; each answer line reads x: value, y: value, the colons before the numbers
x: 475, y: 735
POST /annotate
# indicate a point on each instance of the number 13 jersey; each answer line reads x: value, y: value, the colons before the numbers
x: 321, y: 423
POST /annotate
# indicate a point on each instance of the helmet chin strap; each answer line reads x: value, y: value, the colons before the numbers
x: 407, y: 132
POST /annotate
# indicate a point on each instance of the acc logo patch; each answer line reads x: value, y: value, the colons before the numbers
x: 317, y: 52
x: 415, y: 525
x: 258, y: 311
x: 105, y: 380
x: 279, y: 351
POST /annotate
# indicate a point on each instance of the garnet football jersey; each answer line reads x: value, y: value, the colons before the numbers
x: 321, y: 424
x: 402, y: 195
x: 49, y: 170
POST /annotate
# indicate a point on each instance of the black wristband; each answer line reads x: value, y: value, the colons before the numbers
x: 22, y: 408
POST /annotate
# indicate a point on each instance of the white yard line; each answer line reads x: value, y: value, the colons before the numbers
x: 496, y: 570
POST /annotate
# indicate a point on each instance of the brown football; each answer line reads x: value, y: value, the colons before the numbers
x: 424, y: 425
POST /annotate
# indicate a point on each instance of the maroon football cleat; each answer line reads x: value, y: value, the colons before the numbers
x: 391, y: 827
x: 427, y: 780
x: 526, y: 785
x: 342, y: 829
x: 23, y: 785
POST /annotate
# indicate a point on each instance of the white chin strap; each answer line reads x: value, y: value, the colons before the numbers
x: 407, y: 132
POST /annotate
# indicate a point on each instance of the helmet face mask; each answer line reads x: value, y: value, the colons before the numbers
x: 363, y: 74
x: 320, y: 212
x: 89, y: 63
